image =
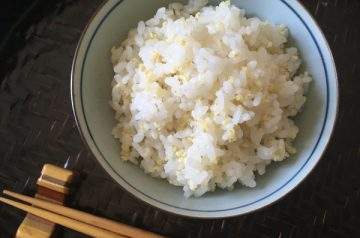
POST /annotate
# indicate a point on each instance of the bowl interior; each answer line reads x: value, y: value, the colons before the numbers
x: 92, y: 92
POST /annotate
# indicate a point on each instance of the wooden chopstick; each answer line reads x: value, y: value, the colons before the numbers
x: 84, y: 217
x: 64, y: 221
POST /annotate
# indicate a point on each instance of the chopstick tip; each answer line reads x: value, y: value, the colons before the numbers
x: 4, y: 200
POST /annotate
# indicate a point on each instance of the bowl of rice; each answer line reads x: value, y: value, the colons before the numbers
x: 202, y: 108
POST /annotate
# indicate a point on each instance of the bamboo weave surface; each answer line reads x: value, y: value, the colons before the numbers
x: 37, y: 127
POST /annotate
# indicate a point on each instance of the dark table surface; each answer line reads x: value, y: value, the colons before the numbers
x: 37, y: 43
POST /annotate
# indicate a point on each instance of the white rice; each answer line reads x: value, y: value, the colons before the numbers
x: 204, y: 96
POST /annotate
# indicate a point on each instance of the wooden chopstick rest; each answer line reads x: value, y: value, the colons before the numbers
x: 83, y: 217
x: 84, y: 228
x: 52, y: 187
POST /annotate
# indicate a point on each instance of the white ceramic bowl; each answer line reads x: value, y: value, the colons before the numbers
x: 91, y: 92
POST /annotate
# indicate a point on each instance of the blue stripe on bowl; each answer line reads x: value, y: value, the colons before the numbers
x: 220, y: 210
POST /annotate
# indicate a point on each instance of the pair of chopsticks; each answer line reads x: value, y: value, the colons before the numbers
x: 76, y: 220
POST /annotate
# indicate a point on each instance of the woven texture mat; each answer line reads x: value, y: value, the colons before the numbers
x: 37, y: 127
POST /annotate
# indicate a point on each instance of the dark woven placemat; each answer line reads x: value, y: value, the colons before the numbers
x: 37, y: 127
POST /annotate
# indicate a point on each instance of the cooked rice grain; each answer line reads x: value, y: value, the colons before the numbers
x: 204, y: 96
